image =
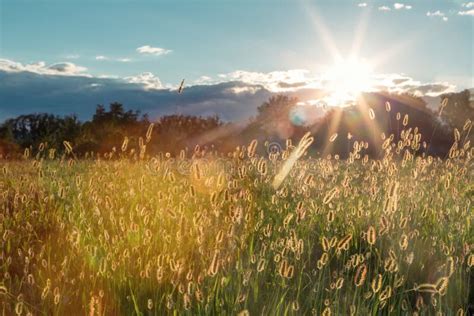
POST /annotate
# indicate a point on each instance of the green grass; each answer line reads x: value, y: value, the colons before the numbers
x: 125, y: 237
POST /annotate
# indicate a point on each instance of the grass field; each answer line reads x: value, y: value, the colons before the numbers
x: 212, y: 235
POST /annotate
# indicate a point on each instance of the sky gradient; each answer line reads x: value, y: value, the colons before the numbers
x: 157, y: 43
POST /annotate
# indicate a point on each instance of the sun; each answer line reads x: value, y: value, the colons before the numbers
x: 346, y: 79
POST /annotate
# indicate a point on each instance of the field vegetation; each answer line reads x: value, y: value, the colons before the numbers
x: 262, y: 230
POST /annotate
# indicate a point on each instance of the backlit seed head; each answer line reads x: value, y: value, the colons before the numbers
x: 327, y: 311
x: 371, y: 114
x: 470, y: 260
x: 405, y: 120
x: 426, y: 288
x: 442, y: 285
x: 371, y: 235
x: 360, y: 275
x: 376, y: 284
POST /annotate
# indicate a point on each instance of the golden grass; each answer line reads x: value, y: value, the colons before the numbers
x: 254, y: 235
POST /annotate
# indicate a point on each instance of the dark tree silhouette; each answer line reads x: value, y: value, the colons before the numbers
x: 33, y: 129
x: 107, y: 129
x: 274, y: 122
x: 457, y: 109
x: 274, y: 116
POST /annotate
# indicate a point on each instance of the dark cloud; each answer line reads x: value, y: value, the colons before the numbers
x: 428, y: 89
x: 400, y: 80
x: 27, y: 92
x: 66, y: 68
x: 292, y: 85
x: 65, y: 88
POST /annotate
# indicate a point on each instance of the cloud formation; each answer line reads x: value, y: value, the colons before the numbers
x: 26, y: 92
x: 468, y: 5
x: 244, y: 89
x: 275, y: 81
x: 396, y: 6
x: 395, y: 83
x: 362, y: 5
x: 203, y: 80
x: 148, y: 80
x: 295, y: 80
x: 149, y: 50
x: 105, y: 58
x: 66, y: 68
x: 437, y: 14
x: 468, y: 12
x: 233, y: 96
x: 400, y: 6
x: 62, y: 68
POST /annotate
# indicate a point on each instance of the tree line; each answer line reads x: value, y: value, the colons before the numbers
x: 275, y: 122
x: 105, y: 132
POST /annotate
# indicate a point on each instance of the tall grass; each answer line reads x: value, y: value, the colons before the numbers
x: 202, y: 234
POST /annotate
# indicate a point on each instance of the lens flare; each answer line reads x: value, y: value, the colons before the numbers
x: 346, y: 79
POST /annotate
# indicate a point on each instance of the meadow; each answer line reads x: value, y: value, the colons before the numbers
x: 254, y: 232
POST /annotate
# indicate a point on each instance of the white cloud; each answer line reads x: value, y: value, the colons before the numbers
x: 147, y: 79
x: 232, y: 96
x: 435, y: 13
x: 399, y: 83
x: 275, y: 81
x: 244, y: 89
x: 362, y: 5
x: 62, y: 68
x: 107, y: 76
x: 67, y: 68
x: 147, y: 49
x: 203, y: 80
x: 469, y: 12
x: 384, y: 8
x: 297, y: 81
x: 122, y: 60
x: 399, y: 6
x: 468, y: 5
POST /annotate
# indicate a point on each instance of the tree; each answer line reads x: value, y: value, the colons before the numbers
x: 7, y: 142
x: 276, y: 106
x: 33, y: 129
x: 109, y: 128
x: 457, y: 109
x: 274, y: 116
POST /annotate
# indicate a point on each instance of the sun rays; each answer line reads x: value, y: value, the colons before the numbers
x: 351, y: 73
x: 346, y: 79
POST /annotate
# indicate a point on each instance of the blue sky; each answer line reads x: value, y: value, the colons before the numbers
x: 208, y: 41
